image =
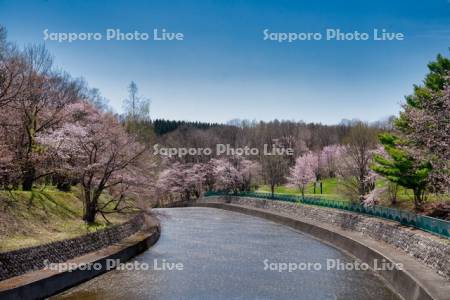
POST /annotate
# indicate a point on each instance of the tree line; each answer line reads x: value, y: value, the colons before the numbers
x: 163, y: 126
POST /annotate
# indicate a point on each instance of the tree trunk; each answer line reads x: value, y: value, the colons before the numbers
x: 63, y: 186
x: 29, y: 175
x: 89, y: 214
x: 62, y: 182
x: 272, y: 189
x: 90, y: 208
x: 393, y: 191
x: 418, y: 199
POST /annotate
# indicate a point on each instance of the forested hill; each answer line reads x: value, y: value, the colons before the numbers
x: 162, y: 126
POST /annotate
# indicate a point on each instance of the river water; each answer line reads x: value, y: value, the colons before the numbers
x: 227, y: 255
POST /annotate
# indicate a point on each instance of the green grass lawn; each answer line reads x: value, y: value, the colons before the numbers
x: 43, y: 215
x: 330, y: 190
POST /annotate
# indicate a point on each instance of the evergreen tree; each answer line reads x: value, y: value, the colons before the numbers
x: 434, y: 81
x: 402, y: 168
x: 414, y: 162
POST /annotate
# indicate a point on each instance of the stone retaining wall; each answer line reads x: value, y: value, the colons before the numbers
x: 17, y: 262
x: 427, y: 248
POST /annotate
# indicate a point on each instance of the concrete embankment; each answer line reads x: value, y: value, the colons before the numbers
x: 424, y: 258
x: 87, y: 256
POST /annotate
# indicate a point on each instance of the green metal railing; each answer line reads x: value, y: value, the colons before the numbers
x: 432, y: 225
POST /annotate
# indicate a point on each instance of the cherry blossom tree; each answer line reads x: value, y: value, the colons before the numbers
x: 237, y: 175
x: 328, y: 160
x: 168, y: 182
x: 195, y: 179
x: 184, y: 180
x: 42, y: 106
x: 250, y: 171
x: 353, y: 170
x: 95, y: 148
x: 429, y: 130
x: 227, y: 177
x: 12, y: 76
x: 303, y: 172
x: 181, y: 182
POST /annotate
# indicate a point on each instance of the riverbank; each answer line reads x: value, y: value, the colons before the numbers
x: 44, y: 215
x: 118, y: 243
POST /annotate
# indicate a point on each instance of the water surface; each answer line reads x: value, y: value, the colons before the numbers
x: 223, y: 256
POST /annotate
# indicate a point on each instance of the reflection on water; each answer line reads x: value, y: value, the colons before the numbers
x: 223, y: 256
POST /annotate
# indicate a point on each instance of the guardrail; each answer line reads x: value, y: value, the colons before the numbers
x: 433, y: 225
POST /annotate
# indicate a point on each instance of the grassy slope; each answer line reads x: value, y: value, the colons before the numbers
x: 41, y: 216
x: 331, y: 191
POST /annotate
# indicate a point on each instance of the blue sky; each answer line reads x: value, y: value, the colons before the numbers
x: 223, y: 69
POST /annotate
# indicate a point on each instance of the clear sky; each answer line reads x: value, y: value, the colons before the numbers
x: 224, y: 69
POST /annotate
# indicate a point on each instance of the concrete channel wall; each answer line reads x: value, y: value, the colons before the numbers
x: 18, y: 262
x: 425, y: 258
x: 118, y: 243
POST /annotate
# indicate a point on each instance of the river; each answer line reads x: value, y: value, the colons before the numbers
x: 217, y: 254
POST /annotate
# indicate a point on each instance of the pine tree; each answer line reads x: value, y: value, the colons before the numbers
x: 413, y: 163
x: 402, y: 168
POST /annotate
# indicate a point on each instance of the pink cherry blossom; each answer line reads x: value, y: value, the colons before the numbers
x: 303, y: 172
